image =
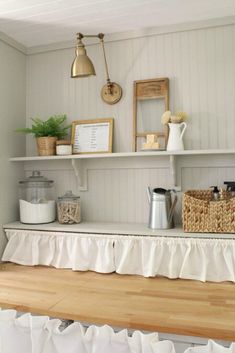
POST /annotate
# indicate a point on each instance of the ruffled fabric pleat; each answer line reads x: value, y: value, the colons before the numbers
x: 189, y: 258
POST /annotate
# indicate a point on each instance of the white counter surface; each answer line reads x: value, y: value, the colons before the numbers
x: 115, y: 228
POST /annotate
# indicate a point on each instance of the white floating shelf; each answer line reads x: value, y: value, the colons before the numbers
x: 89, y: 156
x: 134, y: 229
x: 81, y: 172
x: 124, y: 155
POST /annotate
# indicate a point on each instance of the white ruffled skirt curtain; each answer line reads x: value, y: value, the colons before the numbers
x: 61, y: 250
x: 211, y: 347
x: 195, y: 258
x: 189, y: 258
x: 35, y: 334
x: 39, y: 334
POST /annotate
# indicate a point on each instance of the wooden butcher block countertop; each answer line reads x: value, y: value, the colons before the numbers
x: 181, y: 307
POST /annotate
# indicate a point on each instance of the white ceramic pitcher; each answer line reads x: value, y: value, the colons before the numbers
x: 175, y: 140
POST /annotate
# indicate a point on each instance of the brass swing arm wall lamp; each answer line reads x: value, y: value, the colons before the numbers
x: 82, y: 66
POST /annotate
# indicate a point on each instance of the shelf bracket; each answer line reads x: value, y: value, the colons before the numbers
x: 80, y: 174
x: 173, y: 173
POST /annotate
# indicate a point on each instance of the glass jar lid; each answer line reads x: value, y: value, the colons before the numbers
x: 36, y: 180
x: 69, y: 196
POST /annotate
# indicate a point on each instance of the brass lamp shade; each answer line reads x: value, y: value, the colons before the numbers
x: 82, y: 65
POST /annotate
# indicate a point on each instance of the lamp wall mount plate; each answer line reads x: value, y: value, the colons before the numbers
x: 111, y: 93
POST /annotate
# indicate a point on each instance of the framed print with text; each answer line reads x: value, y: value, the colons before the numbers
x: 92, y: 136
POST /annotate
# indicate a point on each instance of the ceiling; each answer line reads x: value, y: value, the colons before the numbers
x: 41, y: 22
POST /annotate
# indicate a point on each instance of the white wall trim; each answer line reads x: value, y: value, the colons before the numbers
x: 13, y: 43
x: 183, y: 27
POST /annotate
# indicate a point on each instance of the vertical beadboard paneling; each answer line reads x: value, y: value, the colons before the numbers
x: 201, y: 178
x: 119, y: 195
x: 199, y: 63
x: 201, y: 67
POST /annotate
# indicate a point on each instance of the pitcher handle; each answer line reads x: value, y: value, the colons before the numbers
x: 184, y: 127
x: 172, y: 208
x: 149, y: 193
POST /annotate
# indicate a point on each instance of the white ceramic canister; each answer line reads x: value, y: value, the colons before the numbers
x: 63, y: 147
x: 176, y: 133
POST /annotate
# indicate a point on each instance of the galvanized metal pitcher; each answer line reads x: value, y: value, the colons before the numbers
x: 161, y: 208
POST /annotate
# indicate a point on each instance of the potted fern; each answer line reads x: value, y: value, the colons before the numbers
x: 47, y: 133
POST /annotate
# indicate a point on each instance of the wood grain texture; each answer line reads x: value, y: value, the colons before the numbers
x: 154, y: 304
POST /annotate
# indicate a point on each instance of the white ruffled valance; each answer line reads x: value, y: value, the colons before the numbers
x: 61, y: 250
x: 195, y: 258
x: 189, y: 258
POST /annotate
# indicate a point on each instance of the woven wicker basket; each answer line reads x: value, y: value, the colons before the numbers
x: 203, y: 215
x: 46, y: 146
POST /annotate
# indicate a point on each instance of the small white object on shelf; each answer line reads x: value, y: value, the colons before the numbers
x: 63, y: 148
x: 175, y: 140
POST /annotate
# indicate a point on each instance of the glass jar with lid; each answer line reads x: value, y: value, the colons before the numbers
x: 69, y: 208
x: 37, y: 201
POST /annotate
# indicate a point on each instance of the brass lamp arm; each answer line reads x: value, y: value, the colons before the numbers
x: 81, y: 35
x: 105, y: 62
x: 101, y: 38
